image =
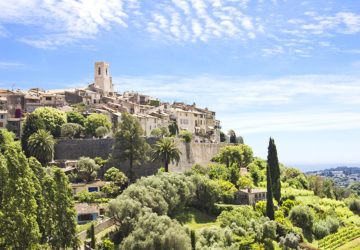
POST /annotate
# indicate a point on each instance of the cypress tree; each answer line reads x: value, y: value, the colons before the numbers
x: 92, y: 237
x: 274, y: 168
x: 269, y: 195
x: 18, y: 226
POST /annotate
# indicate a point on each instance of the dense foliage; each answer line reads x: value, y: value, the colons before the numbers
x: 94, y: 121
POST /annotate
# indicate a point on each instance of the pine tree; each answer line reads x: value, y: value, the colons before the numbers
x: 269, y: 195
x: 18, y: 226
x: 274, y: 167
x: 129, y: 145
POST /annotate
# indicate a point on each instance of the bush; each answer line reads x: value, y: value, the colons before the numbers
x: 260, y: 207
x: 206, y: 192
x: 88, y: 197
x: 186, y: 136
x: 241, y: 216
x: 71, y: 130
x: 216, y: 238
x: 113, y: 174
x: 93, y: 121
x: 227, y: 191
x: 156, y: 132
x: 244, y: 182
x: 101, y: 132
x: 157, y: 232
x: 289, y: 241
x: 354, y: 205
x: 325, y: 227
x: 198, y: 169
x: 87, y: 169
x: 75, y: 117
x: 303, y: 217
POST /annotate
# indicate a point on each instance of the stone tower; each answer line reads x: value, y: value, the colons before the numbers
x: 102, y: 77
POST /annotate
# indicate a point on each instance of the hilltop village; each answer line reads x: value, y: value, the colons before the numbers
x: 100, y: 97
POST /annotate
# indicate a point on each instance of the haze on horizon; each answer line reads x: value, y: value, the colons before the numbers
x: 282, y: 68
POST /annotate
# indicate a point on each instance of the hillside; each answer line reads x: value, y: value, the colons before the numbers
x: 342, y: 176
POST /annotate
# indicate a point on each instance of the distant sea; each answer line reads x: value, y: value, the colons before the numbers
x: 314, y: 167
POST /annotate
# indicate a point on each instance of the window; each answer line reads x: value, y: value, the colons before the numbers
x: 94, y: 101
x: 106, y: 71
x: 84, y: 217
x: 99, y: 71
x: 48, y: 98
x: 1, y: 124
x: 1, y: 116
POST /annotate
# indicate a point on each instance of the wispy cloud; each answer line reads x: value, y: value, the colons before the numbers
x: 258, y: 104
x: 10, y: 65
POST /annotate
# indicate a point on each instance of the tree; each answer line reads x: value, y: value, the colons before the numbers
x: 6, y: 139
x: 303, y: 217
x: 186, y: 136
x: 31, y: 124
x: 75, y: 117
x: 102, y: 163
x: 64, y: 213
x: 93, y: 121
x: 91, y: 235
x: 156, y: 132
x: 52, y: 118
x: 166, y: 151
x: 18, y: 226
x: 87, y: 168
x: 113, y: 174
x: 222, y: 137
x: 274, y: 168
x: 101, y: 132
x: 41, y: 146
x: 173, y: 128
x: 232, y: 135
x: 240, y: 140
x: 269, y: 195
x: 128, y: 143
x: 71, y: 130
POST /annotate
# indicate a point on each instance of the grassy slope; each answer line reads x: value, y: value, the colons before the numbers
x: 196, y: 219
x: 355, y: 244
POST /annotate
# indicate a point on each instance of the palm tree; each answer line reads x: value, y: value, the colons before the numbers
x: 41, y: 146
x: 166, y: 151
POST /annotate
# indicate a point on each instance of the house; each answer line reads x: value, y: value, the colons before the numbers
x: 88, y: 212
x: 249, y: 196
x: 3, y: 118
x: 94, y: 186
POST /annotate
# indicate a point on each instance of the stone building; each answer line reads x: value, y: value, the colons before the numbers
x: 249, y: 196
x: 103, y: 80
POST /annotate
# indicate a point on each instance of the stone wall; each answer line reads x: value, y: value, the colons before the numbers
x: 191, y: 154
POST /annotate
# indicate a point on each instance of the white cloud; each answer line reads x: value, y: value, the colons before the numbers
x: 68, y: 20
x: 334, y: 98
x: 10, y: 65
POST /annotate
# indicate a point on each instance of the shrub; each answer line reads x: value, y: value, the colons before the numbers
x: 260, y: 207
x: 354, y: 205
x: 219, y: 171
x: 198, y: 169
x: 87, y: 169
x: 206, y: 192
x: 241, y: 216
x: 216, y: 238
x: 186, y: 136
x: 244, y: 181
x: 157, y: 232
x: 93, y: 121
x: 113, y: 174
x: 71, y: 130
x: 88, y: 197
x: 75, y: 117
x: 227, y: 191
x: 289, y: 241
x: 156, y: 132
x: 101, y: 132
x: 302, y: 216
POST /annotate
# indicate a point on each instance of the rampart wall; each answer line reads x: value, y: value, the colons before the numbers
x: 191, y: 154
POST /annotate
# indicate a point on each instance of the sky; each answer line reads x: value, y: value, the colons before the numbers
x: 281, y: 68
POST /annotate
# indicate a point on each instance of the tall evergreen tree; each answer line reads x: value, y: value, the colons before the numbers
x: 273, y: 163
x: 45, y: 193
x: 269, y: 195
x: 64, y: 213
x: 232, y: 135
x: 128, y: 143
x: 18, y: 226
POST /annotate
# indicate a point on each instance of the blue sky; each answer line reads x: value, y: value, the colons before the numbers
x: 282, y: 68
